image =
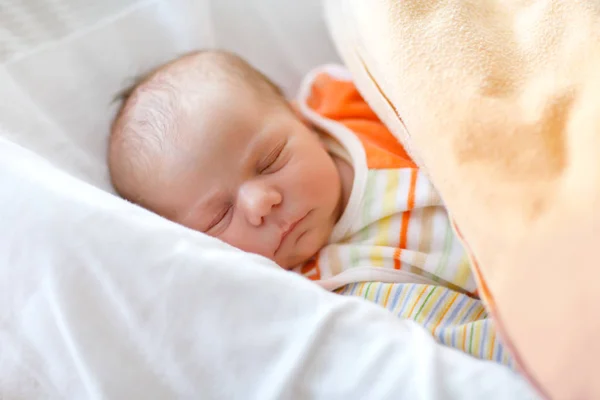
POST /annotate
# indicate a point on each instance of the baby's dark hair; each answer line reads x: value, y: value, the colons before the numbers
x: 145, y: 124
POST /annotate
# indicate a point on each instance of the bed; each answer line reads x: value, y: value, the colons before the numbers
x: 102, y: 299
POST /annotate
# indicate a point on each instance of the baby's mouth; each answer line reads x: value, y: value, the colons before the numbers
x: 289, y: 230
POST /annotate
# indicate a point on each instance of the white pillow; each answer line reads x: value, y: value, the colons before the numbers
x: 101, y: 299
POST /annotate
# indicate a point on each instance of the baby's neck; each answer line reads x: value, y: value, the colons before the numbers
x: 346, y: 173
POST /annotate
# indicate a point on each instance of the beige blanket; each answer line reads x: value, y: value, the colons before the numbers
x: 499, y: 100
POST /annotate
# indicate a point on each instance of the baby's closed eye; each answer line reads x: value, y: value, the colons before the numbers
x: 274, y: 160
x: 219, y: 222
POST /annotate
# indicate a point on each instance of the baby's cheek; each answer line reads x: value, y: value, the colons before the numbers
x: 308, y: 245
x: 245, y: 241
x: 319, y: 173
x: 325, y: 180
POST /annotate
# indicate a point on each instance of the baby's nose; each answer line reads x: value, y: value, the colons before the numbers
x: 258, y: 200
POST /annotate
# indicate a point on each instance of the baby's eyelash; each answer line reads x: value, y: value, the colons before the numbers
x: 271, y: 158
x: 219, y: 218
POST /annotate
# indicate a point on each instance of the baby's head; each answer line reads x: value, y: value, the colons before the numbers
x: 209, y: 142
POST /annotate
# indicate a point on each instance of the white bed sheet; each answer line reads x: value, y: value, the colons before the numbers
x: 101, y: 299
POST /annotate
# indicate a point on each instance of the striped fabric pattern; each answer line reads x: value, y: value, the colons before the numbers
x: 454, y: 319
x: 402, y: 225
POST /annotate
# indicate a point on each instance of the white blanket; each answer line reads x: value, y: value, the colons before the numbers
x: 101, y: 299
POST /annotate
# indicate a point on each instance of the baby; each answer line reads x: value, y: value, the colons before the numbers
x: 209, y: 142
x: 320, y: 186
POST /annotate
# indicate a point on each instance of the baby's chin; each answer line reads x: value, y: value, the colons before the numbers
x: 305, y: 253
x: 293, y: 261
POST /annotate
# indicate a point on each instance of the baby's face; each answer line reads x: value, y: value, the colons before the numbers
x: 254, y: 175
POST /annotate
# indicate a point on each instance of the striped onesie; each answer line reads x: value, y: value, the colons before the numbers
x: 394, y: 243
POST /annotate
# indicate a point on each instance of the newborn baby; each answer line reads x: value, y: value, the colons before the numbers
x: 320, y: 187
x: 209, y: 142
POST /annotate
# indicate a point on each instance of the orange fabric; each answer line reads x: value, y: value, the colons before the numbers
x: 340, y: 101
x: 311, y: 269
x: 406, y: 219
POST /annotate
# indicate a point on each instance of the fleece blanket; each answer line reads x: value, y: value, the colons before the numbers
x: 499, y: 101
